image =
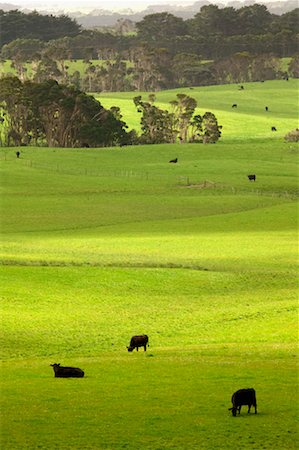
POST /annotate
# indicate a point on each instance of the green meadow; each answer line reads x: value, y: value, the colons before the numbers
x: 102, y: 244
x: 249, y: 120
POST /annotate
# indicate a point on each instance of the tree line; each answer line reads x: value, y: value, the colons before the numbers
x: 57, y: 115
x: 218, y: 45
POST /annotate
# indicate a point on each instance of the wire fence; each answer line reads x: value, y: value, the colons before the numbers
x: 182, y: 181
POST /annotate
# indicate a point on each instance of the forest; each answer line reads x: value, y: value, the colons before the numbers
x: 216, y: 46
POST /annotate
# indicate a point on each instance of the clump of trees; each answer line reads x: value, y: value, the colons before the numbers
x: 58, y: 115
x: 15, y: 24
x: 160, y: 126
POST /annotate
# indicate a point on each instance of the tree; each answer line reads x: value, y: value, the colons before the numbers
x: 160, y: 29
x: 211, y: 129
x: 152, y: 69
x: 254, y: 19
x: 294, y: 67
x: 46, y: 69
x: 212, y: 19
x: 15, y: 24
x: 62, y: 116
x: 16, y: 106
x: 183, y: 110
x: 157, y: 125
x: 160, y: 126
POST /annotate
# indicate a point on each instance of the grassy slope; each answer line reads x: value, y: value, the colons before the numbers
x: 107, y: 243
x: 248, y: 120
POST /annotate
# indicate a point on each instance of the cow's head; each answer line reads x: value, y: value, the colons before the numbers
x: 55, y: 365
x: 233, y: 410
x: 130, y: 349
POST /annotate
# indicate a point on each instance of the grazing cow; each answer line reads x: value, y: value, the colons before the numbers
x: 138, y: 341
x: 273, y: 129
x: 251, y: 177
x: 18, y: 154
x: 174, y: 161
x: 234, y: 105
x: 243, y: 397
x: 67, y: 372
x: 266, y: 108
x: 241, y: 88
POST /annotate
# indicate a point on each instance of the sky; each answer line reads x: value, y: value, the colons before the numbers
x: 101, y: 4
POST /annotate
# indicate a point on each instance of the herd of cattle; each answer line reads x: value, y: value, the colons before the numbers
x: 239, y: 398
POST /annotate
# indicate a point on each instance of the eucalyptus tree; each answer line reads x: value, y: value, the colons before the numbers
x: 22, y: 51
x: 61, y: 116
x: 157, y: 125
x: 15, y: 107
x: 183, y: 110
x: 161, y: 126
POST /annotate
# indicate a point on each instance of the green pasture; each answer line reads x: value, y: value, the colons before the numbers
x: 102, y: 244
x: 248, y: 121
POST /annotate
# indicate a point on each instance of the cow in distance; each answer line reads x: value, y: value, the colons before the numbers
x: 174, y: 161
x: 234, y: 105
x: 138, y: 341
x: 243, y: 397
x: 66, y: 372
x: 273, y: 129
x: 251, y: 177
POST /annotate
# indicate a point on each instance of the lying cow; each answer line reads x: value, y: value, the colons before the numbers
x: 138, y: 341
x: 67, y: 372
x: 251, y: 177
x: 175, y: 160
x: 243, y: 397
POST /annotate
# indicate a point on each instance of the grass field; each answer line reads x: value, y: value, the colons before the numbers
x: 248, y: 120
x: 101, y: 244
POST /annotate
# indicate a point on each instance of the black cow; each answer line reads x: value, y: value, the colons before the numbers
x: 234, y: 105
x: 273, y: 129
x: 241, y: 88
x: 251, y: 177
x: 18, y: 154
x: 266, y: 108
x: 138, y: 341
x: 243, y: 397
x: 174, y: 161
x: 67, y: 372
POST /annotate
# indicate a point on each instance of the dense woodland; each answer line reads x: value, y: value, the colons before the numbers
x: 218, y: 45
x: 44, y: 103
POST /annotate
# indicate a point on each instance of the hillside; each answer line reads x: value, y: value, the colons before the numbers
x: 248, y: 120
x: 103, y: 244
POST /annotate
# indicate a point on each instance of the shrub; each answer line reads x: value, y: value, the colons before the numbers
x: 292, y: 136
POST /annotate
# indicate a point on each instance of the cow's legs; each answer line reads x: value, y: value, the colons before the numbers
x: 249, y: 406
x: 137, y: 349
x: 144, y: 348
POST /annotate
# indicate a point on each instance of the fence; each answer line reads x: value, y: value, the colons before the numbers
x: 183, y: 181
